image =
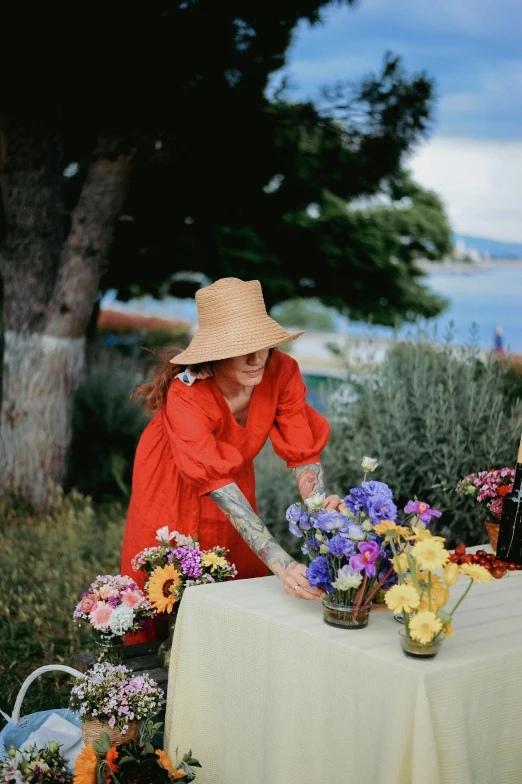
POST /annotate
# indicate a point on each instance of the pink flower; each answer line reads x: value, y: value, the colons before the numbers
x: 101, y: 616
x: 132, y: 599
x: 88, y: 602
x: 106, y: 591
x: 369, y: 552
x: 422, y: 510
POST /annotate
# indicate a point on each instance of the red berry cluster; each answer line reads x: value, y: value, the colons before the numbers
x: 497, y: 568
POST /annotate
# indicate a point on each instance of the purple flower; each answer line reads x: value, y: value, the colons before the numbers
x: 356, y: 499
x: 381, y: 507
x: 310, y: 544
x: 377, y: 488
x: 298, y: 520
x: 318, y: 575
x: 189, y: 560
x: 365, y: 560
x: 339, y: 545
x: 422, y: 510
x: 328, y: 520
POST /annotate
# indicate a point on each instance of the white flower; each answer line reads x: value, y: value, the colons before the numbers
x: 367, y: 524
x: 369, y: 464
x: 356, y: 532
x: 346, y: 511
x: 162, y: 535
x: 186, y: 541
x: 315, y: 502
x: 121, y: 620
x: 347, y: 579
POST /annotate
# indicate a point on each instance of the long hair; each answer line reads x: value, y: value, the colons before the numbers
x: 154, y: 393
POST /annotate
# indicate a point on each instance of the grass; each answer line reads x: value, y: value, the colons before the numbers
x: 45, y: 564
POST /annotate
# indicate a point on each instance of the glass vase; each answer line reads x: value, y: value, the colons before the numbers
x: 108, y: 649
x: 345, y: 616
x: 166, y: 646
x: 419, y: 650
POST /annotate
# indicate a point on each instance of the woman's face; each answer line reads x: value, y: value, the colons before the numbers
x: 246, y: 370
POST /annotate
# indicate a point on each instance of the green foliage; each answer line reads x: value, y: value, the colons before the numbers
x: 45, y: 565
x: 106, y: 427
x: 430, y: 415
x: 304, y: 314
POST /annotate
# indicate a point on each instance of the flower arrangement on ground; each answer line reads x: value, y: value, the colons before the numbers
x: 349, y: 556
x: 114, y: 606
x: 112, y: 695
x: 421, y: 595
x: 35, y: 766
x: 131, y: 763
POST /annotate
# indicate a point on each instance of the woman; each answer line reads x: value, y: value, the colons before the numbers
x: 214, y: 405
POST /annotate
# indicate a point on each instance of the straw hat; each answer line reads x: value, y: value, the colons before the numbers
x: 232, y: 321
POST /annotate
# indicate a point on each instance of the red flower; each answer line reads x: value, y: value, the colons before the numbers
x: 504, y: 490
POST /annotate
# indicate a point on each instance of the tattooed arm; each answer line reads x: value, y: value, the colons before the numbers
x: 310, y: 480
x: 233, y: 503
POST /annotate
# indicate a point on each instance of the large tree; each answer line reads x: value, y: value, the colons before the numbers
x: 160, y: 110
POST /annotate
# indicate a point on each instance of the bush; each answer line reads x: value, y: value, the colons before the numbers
x: 430, y: 415
x: 45, y: 564
x: 106, y: 428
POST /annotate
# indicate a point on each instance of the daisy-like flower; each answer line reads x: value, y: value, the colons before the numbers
x: 101, y: 615
x: 213, y: 560
x: 85, y: 766
x: 403, y: 563
x: 439, y: 597
x: 476, y: 572
x: 402, y: 598
x: 421, y: 536
x: 424, y: 626
x: 390, y: 526
x: 132, y: 598
x: 430, y: 554
x: 162, y: 588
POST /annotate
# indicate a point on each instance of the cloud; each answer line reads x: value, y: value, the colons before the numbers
x: 479, y: 182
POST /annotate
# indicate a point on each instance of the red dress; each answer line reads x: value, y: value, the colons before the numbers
x: 194, y: 445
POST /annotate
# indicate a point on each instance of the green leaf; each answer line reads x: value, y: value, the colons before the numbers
x: 148, y: 748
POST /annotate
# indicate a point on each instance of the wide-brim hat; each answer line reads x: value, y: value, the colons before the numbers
x: 232, y: 321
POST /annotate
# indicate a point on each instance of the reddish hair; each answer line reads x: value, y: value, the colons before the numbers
x: 153, y: 394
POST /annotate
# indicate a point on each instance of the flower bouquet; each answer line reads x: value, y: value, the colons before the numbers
x: 422, y: 595
x: 349, y: 558
x: 37, y: 766
x: 111, y: 699
x: 173, y: 565
x: 114, y: 606
x: 131, y: 763
x: 489, y: 489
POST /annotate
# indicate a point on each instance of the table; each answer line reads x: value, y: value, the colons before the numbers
x: 264, y: 692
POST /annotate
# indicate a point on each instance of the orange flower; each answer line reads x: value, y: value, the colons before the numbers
x: 85, y: 766
x: 164, y: 760
x: 111, y: 758
x: 178, y: 774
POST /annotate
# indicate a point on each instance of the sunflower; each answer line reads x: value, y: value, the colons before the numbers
x: 430, y: 554
x: 476, y: 572
x: 424, y: 626
x: 85, y: 766
x: 214, y: 560
x: 390, y: 526
x: 162, y: 588
x: 402, y: 598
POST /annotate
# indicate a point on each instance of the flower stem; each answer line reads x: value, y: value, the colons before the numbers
x: 359, y: 596
x: 462, y: 597
x: 429, y: 591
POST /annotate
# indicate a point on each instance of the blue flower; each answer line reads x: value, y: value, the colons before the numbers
x: 295, y: 530
x: 293, y: 513
x: 297, y: 519
x: 356, y: 499
x: 328, y: 520
x: 377, y: 488
x: 318, y: 575
x: 339, y: 545
x: 381, y: 507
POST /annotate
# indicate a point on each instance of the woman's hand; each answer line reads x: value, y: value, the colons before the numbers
x: 332, y: 502
x: 295, y: 583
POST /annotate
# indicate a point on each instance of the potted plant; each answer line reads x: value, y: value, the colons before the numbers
x: 489, y: 488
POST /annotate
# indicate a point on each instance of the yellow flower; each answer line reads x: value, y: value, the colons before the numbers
x: 451, y: 573
x: 388, y: 526
x: 477, y: 572
x: 439, y: 597
x: 214, y: 560
x: 422, y: 535
x: 403, y: 563
x: 430, y: 554
x: 402, y: 598
x: 85, y: 766
x: 448, y: 630
x: 424, y: 626
x: 161, y: 588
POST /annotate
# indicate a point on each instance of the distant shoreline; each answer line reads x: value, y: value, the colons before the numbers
x: 467, y: 266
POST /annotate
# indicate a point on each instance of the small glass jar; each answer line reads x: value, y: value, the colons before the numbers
x: 419, y: 650
x: 108, y: 649
x: 345, y: 616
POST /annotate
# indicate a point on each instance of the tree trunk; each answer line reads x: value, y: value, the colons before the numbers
x: 50, y: 288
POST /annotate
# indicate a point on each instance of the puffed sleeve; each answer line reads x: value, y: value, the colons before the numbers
x: 299, y: 433
x: 201, y: 459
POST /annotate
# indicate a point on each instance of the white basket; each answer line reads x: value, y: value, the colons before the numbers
x: 15, y: 718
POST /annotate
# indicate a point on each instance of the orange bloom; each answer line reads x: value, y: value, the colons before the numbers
x: 111, y: 758
x: 165, y: 760
x: 85, y: 766
x: 178, y: 774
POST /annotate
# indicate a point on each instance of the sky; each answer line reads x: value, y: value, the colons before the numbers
x: 472, y: 48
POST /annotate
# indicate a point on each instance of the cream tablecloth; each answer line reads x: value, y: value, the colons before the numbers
x: 264, y: 692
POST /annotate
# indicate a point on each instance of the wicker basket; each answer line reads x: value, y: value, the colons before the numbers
x: 492, y: 529
x: 91, y: 729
